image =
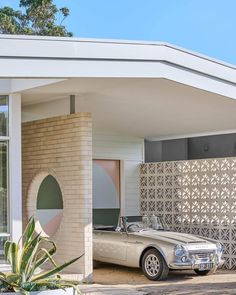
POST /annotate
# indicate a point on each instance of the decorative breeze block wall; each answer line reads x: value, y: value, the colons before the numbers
x: 62, y: 147
x: 196, y: 197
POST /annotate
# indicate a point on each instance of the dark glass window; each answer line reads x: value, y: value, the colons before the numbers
x: 3, y: 195
x: 3, y: 115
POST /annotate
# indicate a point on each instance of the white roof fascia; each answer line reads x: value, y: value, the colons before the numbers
x: 45, y: 57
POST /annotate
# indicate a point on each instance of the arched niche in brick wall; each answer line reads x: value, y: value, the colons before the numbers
x: 45, y: 203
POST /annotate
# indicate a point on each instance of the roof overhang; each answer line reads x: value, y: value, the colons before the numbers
x: 29, y: 57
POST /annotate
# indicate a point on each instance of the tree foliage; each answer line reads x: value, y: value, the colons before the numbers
x: 35, y: 17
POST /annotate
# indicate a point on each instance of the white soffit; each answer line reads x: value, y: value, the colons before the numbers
x: 59, y: 58
x: 146, y: 108
x: 18, y: 85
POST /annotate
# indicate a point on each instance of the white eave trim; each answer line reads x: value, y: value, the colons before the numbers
x: 52, y: 57
x: 113, y: 41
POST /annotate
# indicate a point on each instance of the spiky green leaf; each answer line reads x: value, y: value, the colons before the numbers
x: 2, y: 274
x: 7, y: 250
x: 39, y: 262
x: 14, y: 257
x: 9, y: 283
x: 47, y: 255
x: 28, y: 253
x: 13, y: 278
x: 29, y: 230
x: 55, y: 270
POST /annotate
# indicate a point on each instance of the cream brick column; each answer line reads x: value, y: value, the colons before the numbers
x: 62, y: 146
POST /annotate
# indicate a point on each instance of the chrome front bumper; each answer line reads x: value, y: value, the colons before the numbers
x: 195, y: 264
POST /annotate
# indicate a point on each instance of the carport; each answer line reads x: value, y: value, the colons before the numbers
x: 122, y: 93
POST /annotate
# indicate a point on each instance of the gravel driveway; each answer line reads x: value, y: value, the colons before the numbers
x: 112, y: 279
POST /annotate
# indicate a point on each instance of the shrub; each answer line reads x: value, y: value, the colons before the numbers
x: 26, y: 274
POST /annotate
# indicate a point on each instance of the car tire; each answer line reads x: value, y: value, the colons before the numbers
x: 203, y: 272
x: 154, y: 266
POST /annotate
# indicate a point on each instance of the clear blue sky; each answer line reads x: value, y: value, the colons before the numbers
x: 205, y: 26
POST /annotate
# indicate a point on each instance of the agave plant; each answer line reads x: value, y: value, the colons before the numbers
x: 26, y: 264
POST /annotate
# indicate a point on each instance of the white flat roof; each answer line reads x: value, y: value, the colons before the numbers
x: 114, y: 41
x: 34, y: 57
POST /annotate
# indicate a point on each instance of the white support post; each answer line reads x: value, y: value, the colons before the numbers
x: 122, y: 188
x: 15, y: 177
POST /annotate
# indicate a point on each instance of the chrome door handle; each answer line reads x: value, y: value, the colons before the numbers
x: 135, y: 242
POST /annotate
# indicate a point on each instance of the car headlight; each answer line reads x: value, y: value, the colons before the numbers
x: 219, y: 248
x: 180, y: 251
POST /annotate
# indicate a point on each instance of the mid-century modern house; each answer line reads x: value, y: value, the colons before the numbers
x: 91, y: 129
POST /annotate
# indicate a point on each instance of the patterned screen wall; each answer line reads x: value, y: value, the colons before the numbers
x: 197, y: 197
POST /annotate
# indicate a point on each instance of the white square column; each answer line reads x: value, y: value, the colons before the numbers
x: 15, y: 173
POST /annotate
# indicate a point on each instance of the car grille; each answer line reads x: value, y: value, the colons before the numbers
x: 201, y: 255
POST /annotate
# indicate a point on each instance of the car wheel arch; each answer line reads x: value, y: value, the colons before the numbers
x: 149, y: 248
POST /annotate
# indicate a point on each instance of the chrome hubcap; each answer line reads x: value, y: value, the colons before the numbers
x: 152, y: 265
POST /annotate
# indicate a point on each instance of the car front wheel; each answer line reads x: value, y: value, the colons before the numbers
x: 154, y: 266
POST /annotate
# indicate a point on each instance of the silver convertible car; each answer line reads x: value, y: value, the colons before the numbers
x: 146, y: 242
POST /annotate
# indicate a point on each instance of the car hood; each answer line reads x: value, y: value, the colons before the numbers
x: 173, y: 237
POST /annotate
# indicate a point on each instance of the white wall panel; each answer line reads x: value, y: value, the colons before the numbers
x: 130, y: 151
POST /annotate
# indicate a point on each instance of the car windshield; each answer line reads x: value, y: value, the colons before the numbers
x: 138, y: 223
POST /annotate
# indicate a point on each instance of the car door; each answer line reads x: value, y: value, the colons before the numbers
x: 110, y: 246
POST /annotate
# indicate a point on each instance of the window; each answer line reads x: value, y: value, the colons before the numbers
x: 3, y: 115
x: 4, y: 207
